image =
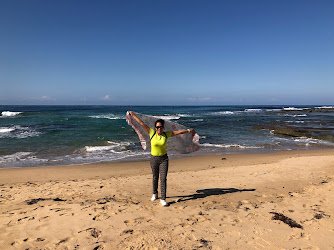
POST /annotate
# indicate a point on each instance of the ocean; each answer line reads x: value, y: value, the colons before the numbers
x: 65, y: 135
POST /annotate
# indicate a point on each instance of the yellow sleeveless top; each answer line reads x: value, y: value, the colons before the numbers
x: 159, y: 142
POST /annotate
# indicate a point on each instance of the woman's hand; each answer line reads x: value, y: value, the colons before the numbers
x: 146, y: 128
x: 180, y: 132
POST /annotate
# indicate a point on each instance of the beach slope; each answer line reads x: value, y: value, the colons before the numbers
x: 258, y: 201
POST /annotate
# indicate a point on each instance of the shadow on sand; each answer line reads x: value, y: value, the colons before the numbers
x: 202, y: 193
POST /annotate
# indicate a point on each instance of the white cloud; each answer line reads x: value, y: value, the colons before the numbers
x: 42, y: 98
x: 47, y: 98
x: 200, y: 99
x: 204, y: 99
x: 106, y: 98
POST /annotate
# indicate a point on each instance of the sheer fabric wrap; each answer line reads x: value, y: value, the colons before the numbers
x: 183, y: 144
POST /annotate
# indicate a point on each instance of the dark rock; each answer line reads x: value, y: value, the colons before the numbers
x: 95, y: 233
x: 204, y: 242
x: 290, y: 132
x: 318, y: 216
x: 58, y: 199
x: 259, y: 127
x: 286, y: 220
x: 34, y: 201
x: 315, y: 131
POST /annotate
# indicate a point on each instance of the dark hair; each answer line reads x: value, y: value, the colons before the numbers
x: 161, y: 121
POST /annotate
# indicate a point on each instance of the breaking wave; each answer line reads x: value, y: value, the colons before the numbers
x: 18, y: 132
x: 227, y: 145
x: 108, y: 116
x: 9, y: 113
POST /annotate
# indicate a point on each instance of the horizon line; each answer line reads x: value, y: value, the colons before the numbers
x: 167, y: 105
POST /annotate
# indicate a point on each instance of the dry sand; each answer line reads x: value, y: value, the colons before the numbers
x: 258, y: 201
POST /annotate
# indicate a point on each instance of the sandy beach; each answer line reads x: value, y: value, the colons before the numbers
x: 279, y: 200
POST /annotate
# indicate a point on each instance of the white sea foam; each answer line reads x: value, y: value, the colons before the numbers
x: 292, y: 109
x: 290, y: 115
x: 295, y: 121
x: 18, y: 132
x: 273, y: 110
x: 6, y: 129
x: 228, y: 145
x: 108, y: 116
x: 9, y: 113
x: 311, y: 141
x: 28, y: 133
x: 112, y: 151
x: 14, y: 157
x: 197, y: 120
x: 184, y: 115
x: 325, y: 107
x: 100, y: 148
x: 253, y: 110
x: 237, y: 112
x: 100, y: 156
x: 8, y: 132
x: 115, y: 147
x: 168, y: 117
x: 21, y: 159
x: 224, y: 113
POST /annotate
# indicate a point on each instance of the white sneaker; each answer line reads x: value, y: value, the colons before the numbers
x: 163, y: 203
x: 154, y: 197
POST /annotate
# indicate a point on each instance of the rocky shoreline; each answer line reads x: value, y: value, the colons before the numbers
x: 325, y: 109
x: 307, y: 123
x: 294, y: 131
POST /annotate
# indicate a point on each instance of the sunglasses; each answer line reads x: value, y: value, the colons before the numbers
x: 157, y: 127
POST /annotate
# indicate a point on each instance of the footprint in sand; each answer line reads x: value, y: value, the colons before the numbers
x: 60, y: 211
x: 138, y: 220
x: 231, y: 220
x: 43, y: 218
x: 20, y: 220
x: 303, y: 235
x: 19, y: 242
x: 92, y: 231
x: 260, y: 243
x: 195, y: 219
x: 126, y: 232
x: 100, y: 247
x: 63, y: 241
x: 251, y: 217
x: 101, y: 217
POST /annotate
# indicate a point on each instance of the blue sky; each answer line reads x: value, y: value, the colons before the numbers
x: 167, y: 52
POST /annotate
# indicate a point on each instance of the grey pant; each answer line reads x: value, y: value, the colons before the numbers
x: 159, y: 165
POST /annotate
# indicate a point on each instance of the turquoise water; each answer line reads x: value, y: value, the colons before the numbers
x: 59, y: 135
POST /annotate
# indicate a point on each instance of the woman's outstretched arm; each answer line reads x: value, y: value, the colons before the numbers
x: 180, y: 132
x: 146, y: 128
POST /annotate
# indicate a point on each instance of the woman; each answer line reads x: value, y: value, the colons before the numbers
x: 159, y: 158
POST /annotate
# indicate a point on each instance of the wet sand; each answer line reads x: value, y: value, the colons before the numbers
x: 279, y: 200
